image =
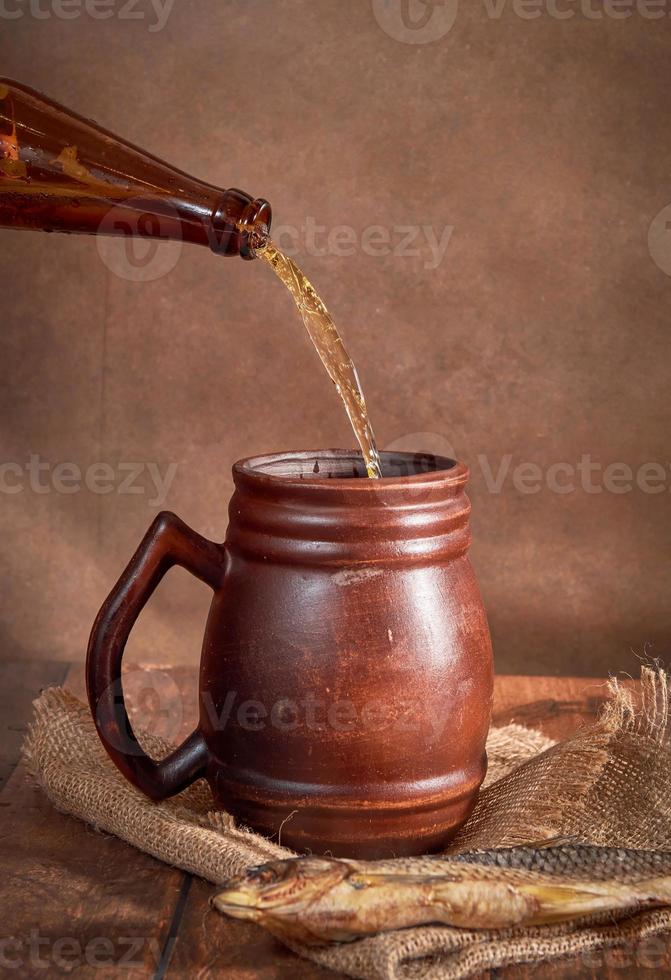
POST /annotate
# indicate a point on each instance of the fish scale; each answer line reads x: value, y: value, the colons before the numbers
x: 574, y: 860
x: 571, y: 860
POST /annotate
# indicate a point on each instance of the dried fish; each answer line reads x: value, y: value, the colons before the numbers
x: 321, y: 900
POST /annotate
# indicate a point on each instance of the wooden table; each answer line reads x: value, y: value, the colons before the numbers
x: 81, y: 903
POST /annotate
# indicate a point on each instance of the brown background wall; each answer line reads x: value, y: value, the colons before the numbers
x: 542, y: 335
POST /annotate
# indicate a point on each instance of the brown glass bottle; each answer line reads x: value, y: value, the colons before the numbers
x: 61, y: 172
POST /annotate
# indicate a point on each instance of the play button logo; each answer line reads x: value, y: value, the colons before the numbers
x: 415, y: 21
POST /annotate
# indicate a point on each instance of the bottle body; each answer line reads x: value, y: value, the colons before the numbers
x: 61, y: 172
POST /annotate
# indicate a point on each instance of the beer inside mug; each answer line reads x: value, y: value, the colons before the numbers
x: 334, y: 465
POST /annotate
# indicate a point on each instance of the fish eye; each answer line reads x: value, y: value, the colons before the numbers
x: 264, y: 874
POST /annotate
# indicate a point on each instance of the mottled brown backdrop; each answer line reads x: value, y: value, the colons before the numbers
x: 539, y: 134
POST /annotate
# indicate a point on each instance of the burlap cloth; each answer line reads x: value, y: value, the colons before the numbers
x: 609, y: 784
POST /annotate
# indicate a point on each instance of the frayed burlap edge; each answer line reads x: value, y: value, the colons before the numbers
x: 606, y: 784
x: 535, y: 790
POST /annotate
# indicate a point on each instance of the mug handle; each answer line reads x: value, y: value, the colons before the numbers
x: 169, y: 541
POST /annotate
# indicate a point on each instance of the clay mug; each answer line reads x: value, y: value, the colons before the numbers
x: 346, y: 671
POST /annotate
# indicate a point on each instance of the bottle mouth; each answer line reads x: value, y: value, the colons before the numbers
x: 239, y: 225
x: 254, y: 227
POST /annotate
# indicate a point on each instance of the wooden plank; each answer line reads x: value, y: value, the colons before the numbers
x: 74, y: 900
x: 554, y: 705
x: 20, y: 683
x: 208, y: 944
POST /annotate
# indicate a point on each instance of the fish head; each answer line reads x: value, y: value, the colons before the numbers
x: 279, y: 887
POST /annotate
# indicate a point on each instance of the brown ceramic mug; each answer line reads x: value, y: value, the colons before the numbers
x: 346, y: 671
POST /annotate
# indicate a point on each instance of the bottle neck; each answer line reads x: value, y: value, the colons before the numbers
x: 239, y: 224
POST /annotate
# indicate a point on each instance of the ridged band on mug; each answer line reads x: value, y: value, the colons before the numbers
x: 286, y: 509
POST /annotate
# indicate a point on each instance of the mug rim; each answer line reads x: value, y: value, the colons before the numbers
x: 452, y: 473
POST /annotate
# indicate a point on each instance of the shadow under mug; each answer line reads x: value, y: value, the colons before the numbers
x: 346, y: 670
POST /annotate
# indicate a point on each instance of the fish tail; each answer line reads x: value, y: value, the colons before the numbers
x: 550, y: 902
x: 655, y: 889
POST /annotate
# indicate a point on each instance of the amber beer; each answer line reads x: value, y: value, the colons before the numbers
x: 329, y: 345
